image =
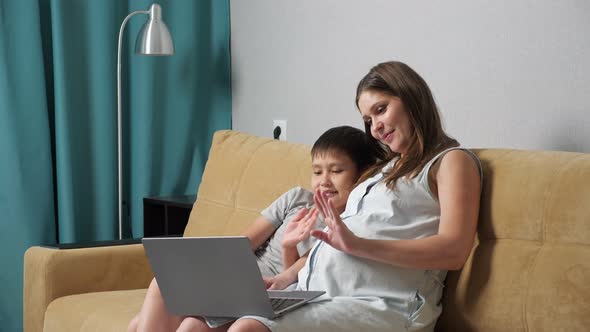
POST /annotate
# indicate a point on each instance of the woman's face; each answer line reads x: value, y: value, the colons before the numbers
x: 334, y: 174
x: 387, y: 118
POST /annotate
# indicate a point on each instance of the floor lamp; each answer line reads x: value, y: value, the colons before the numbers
x: 153, y: 39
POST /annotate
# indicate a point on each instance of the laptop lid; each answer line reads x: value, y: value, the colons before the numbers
x: 208, y: 276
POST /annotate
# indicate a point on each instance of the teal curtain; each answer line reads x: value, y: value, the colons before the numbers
x: 26, y: 181
x: 58, y: 113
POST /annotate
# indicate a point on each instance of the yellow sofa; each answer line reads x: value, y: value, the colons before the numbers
x: 529, y: 269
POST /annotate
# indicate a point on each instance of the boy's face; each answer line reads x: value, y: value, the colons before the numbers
x: 335, y: 174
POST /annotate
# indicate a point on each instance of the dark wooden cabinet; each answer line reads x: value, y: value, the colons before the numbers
x: 166, y: 216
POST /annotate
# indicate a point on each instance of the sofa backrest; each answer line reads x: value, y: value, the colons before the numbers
x: 530, y: 266
x: 243, y: 175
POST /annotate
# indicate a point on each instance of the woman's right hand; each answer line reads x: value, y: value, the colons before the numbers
x: 300, y: 227
x: 338, y: 235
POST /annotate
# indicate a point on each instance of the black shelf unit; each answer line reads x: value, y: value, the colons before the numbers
x: 166, y: 216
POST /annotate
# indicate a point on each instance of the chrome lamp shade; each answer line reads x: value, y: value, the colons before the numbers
x: 154, y: 37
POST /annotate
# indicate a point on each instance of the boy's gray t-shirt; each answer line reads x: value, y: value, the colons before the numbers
x: 280, y: 213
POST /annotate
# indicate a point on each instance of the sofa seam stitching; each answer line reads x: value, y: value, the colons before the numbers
x: 525, y: 300
x: 533, y: 265
x: 234, y: 197
x: 552, y: 194
x: 221, y: 204
x: 548, y: 199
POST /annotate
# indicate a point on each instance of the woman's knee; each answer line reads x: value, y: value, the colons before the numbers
x: 248, y: 325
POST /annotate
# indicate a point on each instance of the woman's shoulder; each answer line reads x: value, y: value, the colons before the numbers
x: 458, y: 162
x: 453, y: 163
x: 459, y: 156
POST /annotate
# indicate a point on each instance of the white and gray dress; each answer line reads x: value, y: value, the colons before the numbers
x: 363, y: 294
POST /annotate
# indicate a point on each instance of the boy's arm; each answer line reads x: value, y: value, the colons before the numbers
x: 288, y: 276
x: 271, y: 218
x: 290, y: 257
x: 294, y: 269
x: 259, y: 231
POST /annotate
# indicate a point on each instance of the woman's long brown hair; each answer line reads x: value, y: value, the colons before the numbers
x: 428, y: 139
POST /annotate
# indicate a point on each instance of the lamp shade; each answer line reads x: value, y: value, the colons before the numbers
x: 154, y: 37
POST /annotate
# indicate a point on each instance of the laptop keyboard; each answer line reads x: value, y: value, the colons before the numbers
x: 279, y: 304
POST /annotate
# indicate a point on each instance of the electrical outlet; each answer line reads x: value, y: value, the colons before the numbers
x: 280, y: 133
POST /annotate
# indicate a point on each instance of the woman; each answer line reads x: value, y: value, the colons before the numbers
x: 383, y: 261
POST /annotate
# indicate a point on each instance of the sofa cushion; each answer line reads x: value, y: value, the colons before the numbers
x: 101, y: 311
x: 243, y: 175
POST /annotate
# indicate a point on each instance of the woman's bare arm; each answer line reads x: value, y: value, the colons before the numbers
x: 459, y: 188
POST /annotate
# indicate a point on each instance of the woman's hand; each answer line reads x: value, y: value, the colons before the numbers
x: 299, y: 228
x: 338, y: 236
x: 280, y: 281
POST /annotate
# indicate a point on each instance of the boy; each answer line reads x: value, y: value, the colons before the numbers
x: 280, y: 236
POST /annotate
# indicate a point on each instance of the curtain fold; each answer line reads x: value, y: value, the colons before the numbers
x: 58, y: 113
x: 84, y: 69
x: 26, y: 182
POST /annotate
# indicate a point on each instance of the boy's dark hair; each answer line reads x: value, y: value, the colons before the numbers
x: 351, y: 141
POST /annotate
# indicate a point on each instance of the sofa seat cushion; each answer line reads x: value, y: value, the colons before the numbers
x: 100, y: 311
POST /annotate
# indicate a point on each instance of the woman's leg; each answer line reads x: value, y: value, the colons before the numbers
x: 153, y: 315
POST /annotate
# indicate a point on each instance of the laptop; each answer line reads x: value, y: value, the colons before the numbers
x: 216, y: 277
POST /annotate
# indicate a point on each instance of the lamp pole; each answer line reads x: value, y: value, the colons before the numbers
x: 153, y: 39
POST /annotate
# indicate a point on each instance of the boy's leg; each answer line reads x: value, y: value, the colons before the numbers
x: 133, y: 324
x: 153, y: 315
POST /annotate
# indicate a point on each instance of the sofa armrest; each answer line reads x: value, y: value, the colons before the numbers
x: 78, y: 245
x: 51, y: 273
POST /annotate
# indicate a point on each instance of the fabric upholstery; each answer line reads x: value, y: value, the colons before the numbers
x: 530, y: 267
x: 51, y: 274
x: 528, y: 271
x: 243, y: 175
x: 101, y: 311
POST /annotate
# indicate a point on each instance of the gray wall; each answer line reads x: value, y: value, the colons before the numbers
x: 511, y: 74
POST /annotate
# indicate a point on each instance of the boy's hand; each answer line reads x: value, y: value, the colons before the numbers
x: 280, y: 281
x: 300, y: 227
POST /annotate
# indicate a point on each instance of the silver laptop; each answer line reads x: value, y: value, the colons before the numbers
x: 216, y: 277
